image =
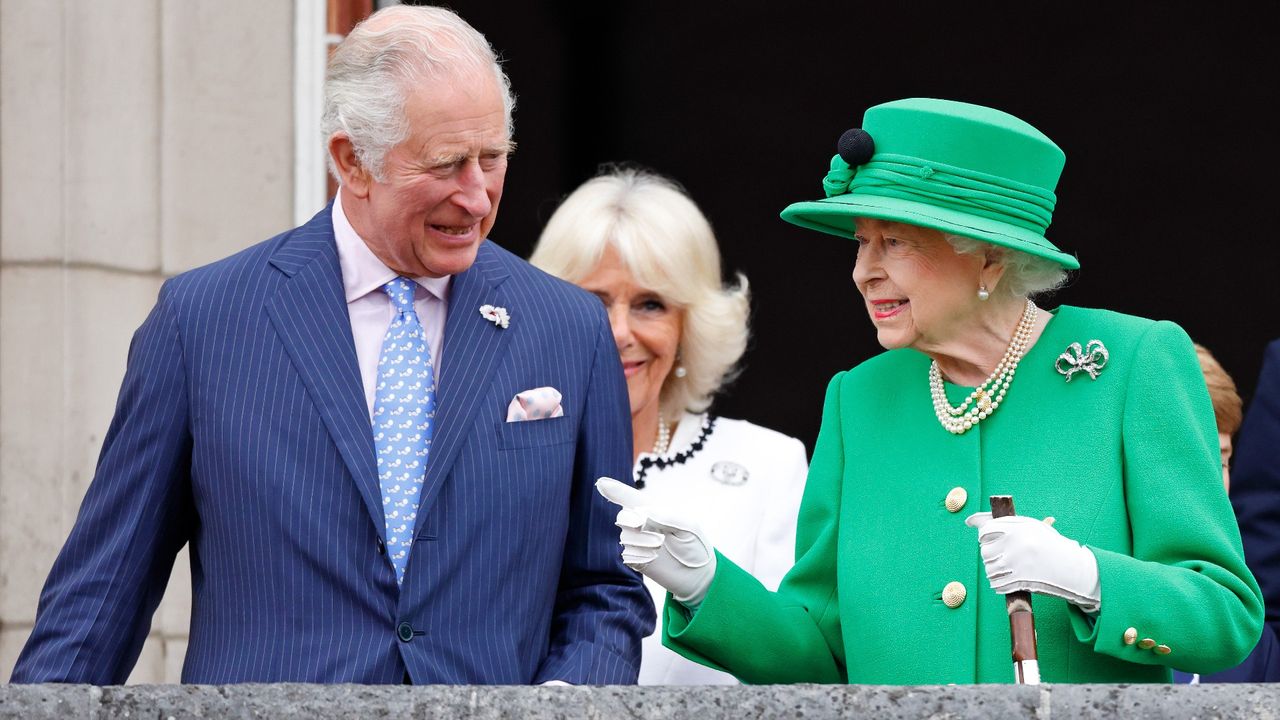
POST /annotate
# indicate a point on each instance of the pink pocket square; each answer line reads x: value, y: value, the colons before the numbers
x: 535, y: 404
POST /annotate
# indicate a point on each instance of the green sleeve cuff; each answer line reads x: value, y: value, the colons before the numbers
x: 695, y: 634
x: 749, y: 632
x: 1155, y: 614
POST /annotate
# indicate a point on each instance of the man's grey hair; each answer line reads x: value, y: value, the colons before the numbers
x: 372, y: 68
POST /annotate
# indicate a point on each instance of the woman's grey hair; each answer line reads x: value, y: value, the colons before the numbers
x: 1025, y: 275
x: 371, y: 69
x: 670, y: 249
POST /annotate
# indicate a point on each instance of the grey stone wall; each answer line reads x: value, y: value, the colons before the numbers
x: 813, y: 702
x: 138, y: 139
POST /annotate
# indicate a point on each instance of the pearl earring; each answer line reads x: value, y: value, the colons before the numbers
x: 982, y: 292
x: 680, y: 371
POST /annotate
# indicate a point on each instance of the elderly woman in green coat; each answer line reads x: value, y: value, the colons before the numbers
x: 1098, y: 419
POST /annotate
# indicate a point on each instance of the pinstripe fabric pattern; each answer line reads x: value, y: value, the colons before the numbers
x: 242, y: 429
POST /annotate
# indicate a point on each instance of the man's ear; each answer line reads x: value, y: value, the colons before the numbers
x: 353, y: 176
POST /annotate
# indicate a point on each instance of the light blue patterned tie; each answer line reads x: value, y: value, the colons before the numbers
x: 404, y: 408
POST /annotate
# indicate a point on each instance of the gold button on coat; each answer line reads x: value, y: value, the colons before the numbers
x: 956, y: 499
x: 1164, y: 649
x: 1130, y: 636
x: 1146, y: 643
x: 953, y: 594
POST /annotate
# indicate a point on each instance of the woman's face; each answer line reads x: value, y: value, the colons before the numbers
x: 646, y: 329
x: 918, y: 290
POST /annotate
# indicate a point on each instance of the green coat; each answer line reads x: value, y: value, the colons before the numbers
x: 1127, y: 463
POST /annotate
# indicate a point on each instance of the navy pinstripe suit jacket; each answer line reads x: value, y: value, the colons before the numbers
x: 242, y: 429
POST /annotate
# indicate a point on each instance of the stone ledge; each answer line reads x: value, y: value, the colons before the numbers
x: 290, y: 701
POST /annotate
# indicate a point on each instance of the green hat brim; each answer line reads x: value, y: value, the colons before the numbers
x: 836, y: 216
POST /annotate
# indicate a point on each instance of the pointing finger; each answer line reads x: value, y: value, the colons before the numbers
x: 619, y: 493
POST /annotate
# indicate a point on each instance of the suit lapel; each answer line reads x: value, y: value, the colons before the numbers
x: 310, y: 314
x: 473, y: 347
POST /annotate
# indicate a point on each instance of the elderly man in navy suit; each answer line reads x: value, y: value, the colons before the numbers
x: 378, y: 432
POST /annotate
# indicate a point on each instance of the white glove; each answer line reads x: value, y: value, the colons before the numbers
x: 662, y: 544
x: 1023, y: 553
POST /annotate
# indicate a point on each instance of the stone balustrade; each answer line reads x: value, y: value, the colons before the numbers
x: 812, y: 702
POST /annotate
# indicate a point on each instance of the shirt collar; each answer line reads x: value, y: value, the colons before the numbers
x: 362, y: 271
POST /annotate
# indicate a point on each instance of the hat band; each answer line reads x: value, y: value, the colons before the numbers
x: 945, y: 186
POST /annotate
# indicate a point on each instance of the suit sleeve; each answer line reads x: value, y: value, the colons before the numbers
x: 792, y: 635
x: 602, y: 608
x: 1186, y: 586
x: 96, y: 607
x: 1255, y: 490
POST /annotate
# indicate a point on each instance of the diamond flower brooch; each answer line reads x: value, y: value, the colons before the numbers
x: 496, y: 315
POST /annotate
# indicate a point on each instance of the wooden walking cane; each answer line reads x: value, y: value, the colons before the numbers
x: 1022, y: 625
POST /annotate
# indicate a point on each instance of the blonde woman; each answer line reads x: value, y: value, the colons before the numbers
x: 642, y: 246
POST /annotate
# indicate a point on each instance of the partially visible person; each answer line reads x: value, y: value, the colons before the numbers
x: 1255, y: 494
x: 640, y: 244
x: 1227, y: 407
x: 1264, y: 661
x: 1097, y: 418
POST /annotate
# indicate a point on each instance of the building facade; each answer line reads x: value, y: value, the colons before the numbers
x: 138, y: 139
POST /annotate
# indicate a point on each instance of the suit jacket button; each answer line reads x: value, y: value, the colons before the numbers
x: 382, y: 547
x: 404, y: 632
x: 1146, y: 643
x: 1130, y: 636
x: 956, y: 499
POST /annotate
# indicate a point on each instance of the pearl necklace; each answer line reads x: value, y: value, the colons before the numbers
x: 663, y: 441
x: 986, y: 397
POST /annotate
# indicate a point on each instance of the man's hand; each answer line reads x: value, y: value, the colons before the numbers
x: 662, y: 544
x: 1023, y: 553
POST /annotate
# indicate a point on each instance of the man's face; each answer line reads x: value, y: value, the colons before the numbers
x: 441, y: 186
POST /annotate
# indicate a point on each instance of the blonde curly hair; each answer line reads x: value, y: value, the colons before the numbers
x: 667, y: 244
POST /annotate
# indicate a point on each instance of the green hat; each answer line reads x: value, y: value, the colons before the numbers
x: 963, y: 169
